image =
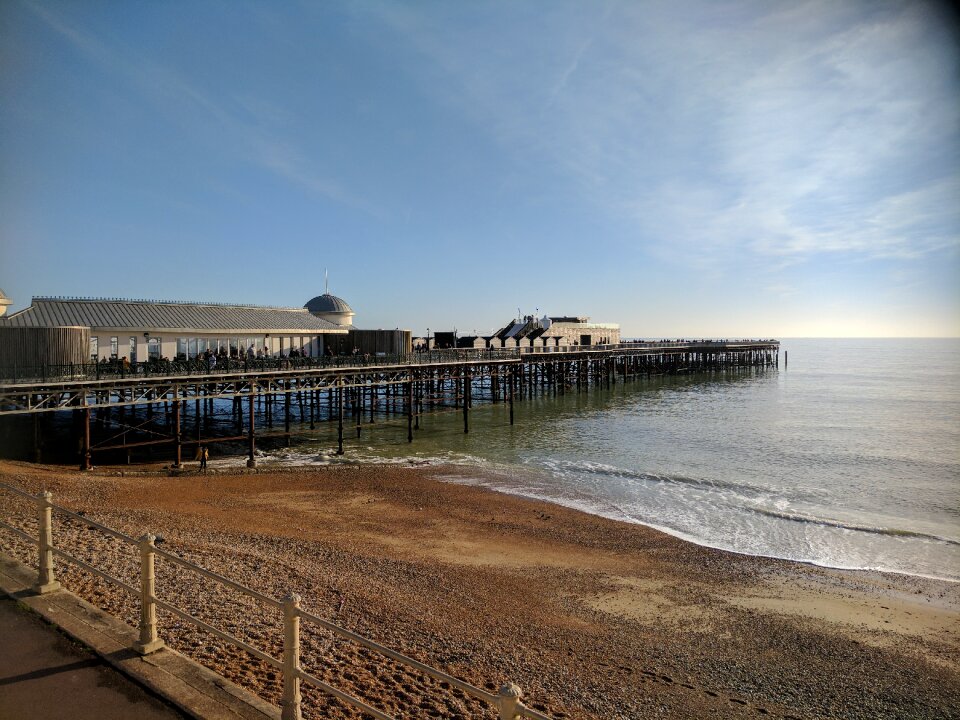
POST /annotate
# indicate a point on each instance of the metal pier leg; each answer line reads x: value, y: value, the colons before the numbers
x: 466, y: 402
x: 340, y: 419
x: 410, y: 411
x: 177, y: 457
x: 251, y: 440
x: 358, y: 407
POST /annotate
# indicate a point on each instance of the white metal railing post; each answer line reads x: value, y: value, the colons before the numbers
x: 46, y: 582
x: 148, y: 642
x: 509, y: 701
x: 290, y: 706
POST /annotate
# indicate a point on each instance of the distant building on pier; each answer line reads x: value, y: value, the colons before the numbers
x: 531, y: 331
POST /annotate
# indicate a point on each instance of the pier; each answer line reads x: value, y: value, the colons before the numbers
x: 117, y: 409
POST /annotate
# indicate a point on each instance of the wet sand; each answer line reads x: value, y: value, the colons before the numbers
x: 591, y: 617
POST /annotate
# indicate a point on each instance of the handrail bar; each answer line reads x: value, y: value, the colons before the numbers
x: 82, y: 518
x: 18, y: 491
x: 219, y: 578
x: 99, y: 573
x: 403, y: 659
x: 100, y: 526
x: 339, y: 694
x: 259, y: 654
x: 17, y: 531
x: 530, y: 713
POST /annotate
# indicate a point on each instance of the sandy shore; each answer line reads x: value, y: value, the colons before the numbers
x: 591, y: 617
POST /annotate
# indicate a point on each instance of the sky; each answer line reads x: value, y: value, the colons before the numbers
x: 685, y: 168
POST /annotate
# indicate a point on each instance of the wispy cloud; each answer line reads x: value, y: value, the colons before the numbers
x: 240, y: 126
x: 772, y: 131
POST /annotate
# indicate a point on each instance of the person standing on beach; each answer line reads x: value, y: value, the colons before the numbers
x: 204, y: 454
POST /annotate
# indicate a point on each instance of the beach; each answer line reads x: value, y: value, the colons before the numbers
x: 591, y: 617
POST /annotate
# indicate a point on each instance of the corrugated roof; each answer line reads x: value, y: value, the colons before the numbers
x: 164, y: 315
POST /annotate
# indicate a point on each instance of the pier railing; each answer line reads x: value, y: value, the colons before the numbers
x: 507, y: 702
x: 168, y: 368
x: 118, y: 369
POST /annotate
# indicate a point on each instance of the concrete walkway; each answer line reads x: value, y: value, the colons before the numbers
x: 56, y: 681
x: 45, y: 675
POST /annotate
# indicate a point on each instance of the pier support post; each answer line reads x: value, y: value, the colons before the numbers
x: 46, y: 582
x: 410, y: 411
x: 419, y: 408
x: 176, y: 429
x: 358, y: 397
x: 149, y: 641
x: 510, y: 387
x: 340, y: 416
x: 251, y: 440
x: 36, y: 437
x: 286, y: 411
x: 290, y: 706
x: 467, y: 388
x: 86, y: 461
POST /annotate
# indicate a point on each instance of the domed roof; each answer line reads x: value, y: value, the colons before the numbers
x: 328, y: 303
x: 4, y: 300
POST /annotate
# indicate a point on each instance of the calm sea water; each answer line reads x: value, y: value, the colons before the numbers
x: 849, y: 457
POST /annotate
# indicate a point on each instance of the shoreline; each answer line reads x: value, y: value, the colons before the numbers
x: 592, y: 617
x: 227, y: 467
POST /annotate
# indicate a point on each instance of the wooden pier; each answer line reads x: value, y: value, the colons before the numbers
x: 125, y: 411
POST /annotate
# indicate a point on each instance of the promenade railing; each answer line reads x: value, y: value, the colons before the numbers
x: 507, y: 702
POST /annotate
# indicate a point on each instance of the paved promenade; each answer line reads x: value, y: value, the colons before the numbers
x: 46, y: 676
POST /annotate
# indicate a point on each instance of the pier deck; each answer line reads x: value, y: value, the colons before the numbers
x: 138, y: 409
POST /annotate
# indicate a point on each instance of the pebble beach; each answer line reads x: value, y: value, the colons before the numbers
x: 592, y: 618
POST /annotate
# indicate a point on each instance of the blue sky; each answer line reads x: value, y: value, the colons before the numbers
x: 683, y: 168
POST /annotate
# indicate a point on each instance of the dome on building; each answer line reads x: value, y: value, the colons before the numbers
x: 330, y: 307
x: 4, y: 302
x: 328, y: 303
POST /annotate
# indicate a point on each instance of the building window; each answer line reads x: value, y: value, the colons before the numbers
x: 153, y: 348
x: 133, y: 349
x: 94, y: 348
x: 114, y: 347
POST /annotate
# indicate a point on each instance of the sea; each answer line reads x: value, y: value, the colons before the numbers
x: 846, y: 456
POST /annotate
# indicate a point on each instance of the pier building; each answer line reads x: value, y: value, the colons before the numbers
x: 531, y: 331
x: 141, y: 330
